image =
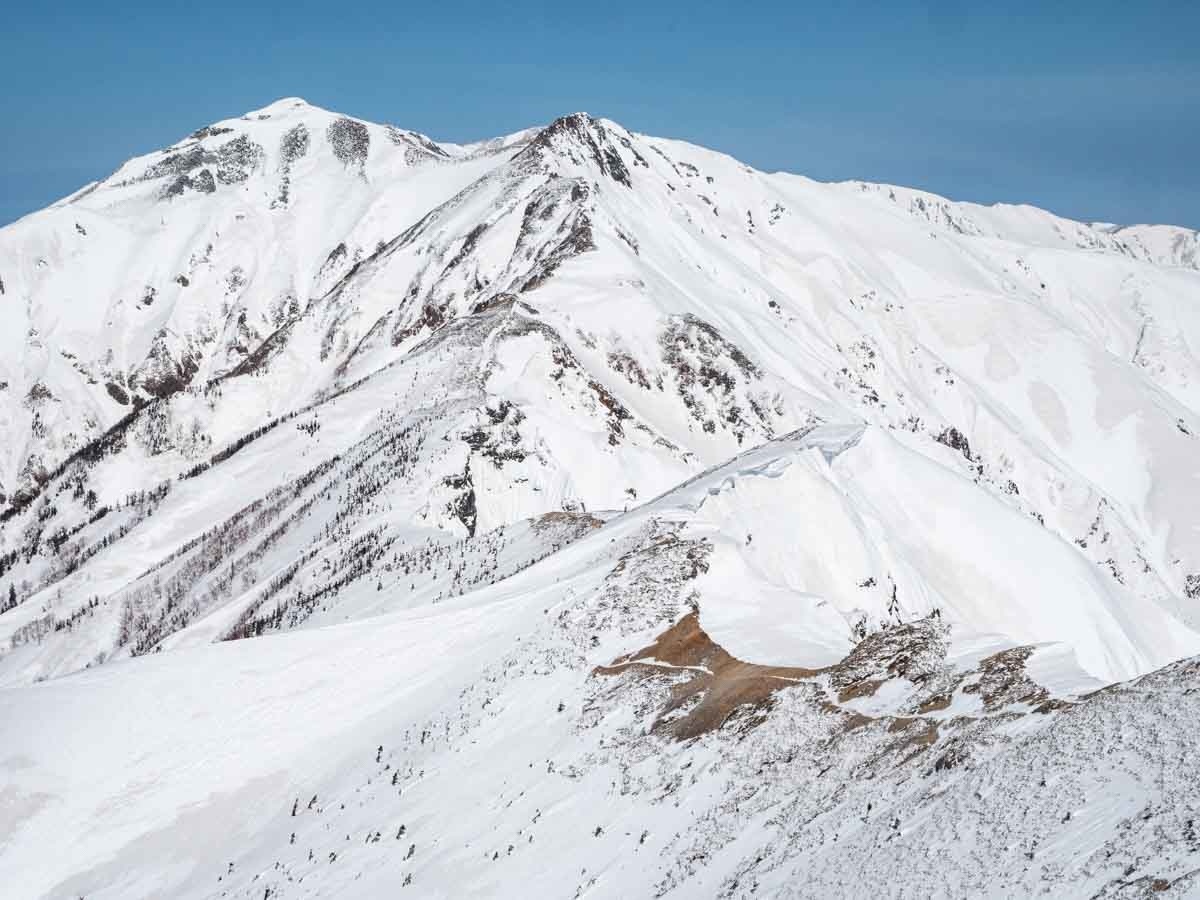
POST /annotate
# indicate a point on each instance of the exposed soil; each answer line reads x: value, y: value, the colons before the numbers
x: 719, y: 684
x: 711, y: 688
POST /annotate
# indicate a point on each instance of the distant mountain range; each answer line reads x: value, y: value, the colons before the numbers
x: 587, y: 514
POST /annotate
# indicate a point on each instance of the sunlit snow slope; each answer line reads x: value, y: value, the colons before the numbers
x: 596, y: 476
x: 514, y: 741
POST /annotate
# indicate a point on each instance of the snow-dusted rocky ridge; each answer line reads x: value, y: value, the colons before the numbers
x: 642, y: 524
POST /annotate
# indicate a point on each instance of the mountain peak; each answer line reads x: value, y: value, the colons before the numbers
x: 579, y: 119
x: 812, y: 516
x: 582, y: 139
x: 283, y: 104
x: 578, y: 125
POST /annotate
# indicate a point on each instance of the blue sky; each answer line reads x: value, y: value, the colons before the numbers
x: 1091, y: 109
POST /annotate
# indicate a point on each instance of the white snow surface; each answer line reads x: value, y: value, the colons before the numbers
x: 318, y: 436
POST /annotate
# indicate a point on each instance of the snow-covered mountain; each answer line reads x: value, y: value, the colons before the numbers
x: 645, y: 524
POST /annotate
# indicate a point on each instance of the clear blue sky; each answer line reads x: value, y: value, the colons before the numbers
x: 1091, y: 109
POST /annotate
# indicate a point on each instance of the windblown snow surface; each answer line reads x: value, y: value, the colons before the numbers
x: 581, y: 513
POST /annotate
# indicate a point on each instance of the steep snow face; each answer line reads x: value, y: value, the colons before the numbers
x: 175, y: 268
x: 1166, y: 244
x: 299, y: 368
x: 820, y: 540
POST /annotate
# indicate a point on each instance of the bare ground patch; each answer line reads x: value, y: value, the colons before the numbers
x: 717, y: 685
x: 711, y: 689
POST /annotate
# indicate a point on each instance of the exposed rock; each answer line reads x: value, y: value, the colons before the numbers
x: 349, y: 140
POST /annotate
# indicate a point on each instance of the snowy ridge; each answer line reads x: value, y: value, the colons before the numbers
x: 528, y: 704
x: 592, y: 476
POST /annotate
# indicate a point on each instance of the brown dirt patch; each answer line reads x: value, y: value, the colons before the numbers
x: 710, y: 689
x: 859, y: 689
x: 851, y: 720
x: 717, y: 685
x: 935, y: 704
x: 916, y: 735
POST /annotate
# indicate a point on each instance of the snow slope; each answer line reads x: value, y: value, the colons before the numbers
x: 491, y: 746
x: 593, y: 471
